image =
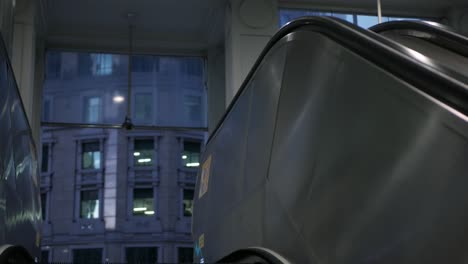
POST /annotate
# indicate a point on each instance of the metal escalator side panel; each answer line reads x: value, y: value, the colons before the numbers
x: 239, y: 155
x: 360, y: 170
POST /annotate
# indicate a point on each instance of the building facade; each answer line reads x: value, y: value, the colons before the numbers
x: 116, y: 195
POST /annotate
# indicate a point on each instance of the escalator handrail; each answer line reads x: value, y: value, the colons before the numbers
x: 440, y: 34
x: 396, y: 59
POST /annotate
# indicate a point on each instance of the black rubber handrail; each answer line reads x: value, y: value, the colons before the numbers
x: 439, y: 34
x: 394, y: 58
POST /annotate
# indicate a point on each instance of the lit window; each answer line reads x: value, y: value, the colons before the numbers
x: 91, y: 155
x: 44, y: 205
x: 89, y: 204
x: 143, y: 108
x: 86, y: 256
x: 143, y: 201
x: 45, y: 158
x: 191, y: 154
x: 141, y: 255
x: 188, y: 202
x: 102, y: 64
x: 92, y: 109
x: 143, y: 152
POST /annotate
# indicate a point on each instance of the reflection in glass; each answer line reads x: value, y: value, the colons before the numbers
x: 143, y: 201
x: 91, y: 155
x: 89, y: 204
x: 144, y: 108
x: 92, y: 109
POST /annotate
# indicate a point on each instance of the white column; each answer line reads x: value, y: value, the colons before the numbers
x: 249, y: 26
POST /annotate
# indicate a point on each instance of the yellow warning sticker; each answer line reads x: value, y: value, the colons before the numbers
x: 205, y: 177
x: 201, y: 241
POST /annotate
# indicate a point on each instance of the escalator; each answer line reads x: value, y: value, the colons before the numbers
x: 443, y: 47
x: 341, y: 146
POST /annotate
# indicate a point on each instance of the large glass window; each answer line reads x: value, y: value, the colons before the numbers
x: 87, y: 256
x: 143, y: 200
x: 188, y: 202
x: 191, y: 154
x: 89, y: 204
x: 141, y: 255
x: 144, y: 108
x: 143, y: 153
x: 45, y: 158
x: 362, y: 20
x: 185, y: 254
x: 171, y: 86
x: 91, y: 155
x: 92, y: 109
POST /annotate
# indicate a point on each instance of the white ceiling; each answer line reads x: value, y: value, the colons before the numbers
x: 175, y: 25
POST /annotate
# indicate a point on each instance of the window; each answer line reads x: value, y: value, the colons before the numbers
x: 92, y: 109
x: 192, y: 66
x: 185, y: 254
x: 87, y: 256
x: 141, y: 255
x: 143, y: 201
x: 89, y: 204
x: 53, y: 64
x: 143, y: 152
x: 191, y: 154
x: 193, y: 108
x: 188, y: 202
x: 142, y: 63
x: 46, y: 110
x: 44, y: 256
x: 91, y: 157
x: 362, y: 20
x: 44, y: 205
x: 85, y: 64
x: 102, y: 64
x: 45, y: 158
x: 144, y: 108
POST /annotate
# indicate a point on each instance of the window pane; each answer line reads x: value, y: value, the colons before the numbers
x: 92, y: 109
x: 185, y: 255
x: 91, y: 156
x: 141, y: 255
x: 143, y: 201
x: 188, y: 202
x: 191, y: 154
x: 44, y: 256
x: 45, y: 158
x: 143, y: 152
x: 87, y: 256
x: 347, y: 17
x: 367, y: 21
x: 89, y: 205
x: 44, y: 205
x: 144, y: 108
x: 86, y: 87
x: 46, y: 110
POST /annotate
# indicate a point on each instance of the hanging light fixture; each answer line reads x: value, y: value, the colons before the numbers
x: 127, y: 124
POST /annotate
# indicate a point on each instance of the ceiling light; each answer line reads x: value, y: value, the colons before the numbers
x: 118, y: 99
x: 139, y: 209
x: 193, y: 164
x: 149, y: 212
x: 184, y: 156
x: 136, y: 154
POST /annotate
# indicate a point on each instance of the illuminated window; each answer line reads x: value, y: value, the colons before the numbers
x: 141, y: 254
x: 188, y: 202
x: 143, y: 152
x: 191, y: 154
x: 91, y: 155
x: 92, y: 109
x: 143, y: 201
x: 89, y: 204
x: 185, y: 255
